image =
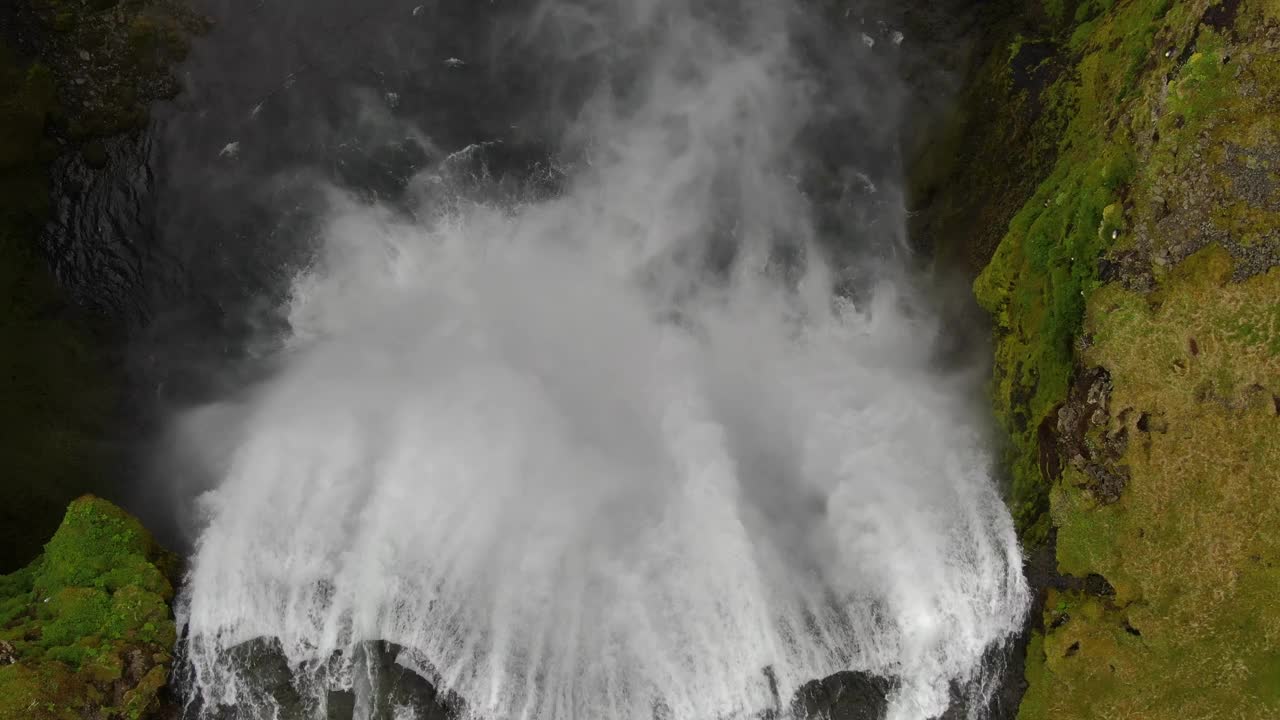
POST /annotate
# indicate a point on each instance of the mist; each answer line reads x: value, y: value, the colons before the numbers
x: 654, y: 423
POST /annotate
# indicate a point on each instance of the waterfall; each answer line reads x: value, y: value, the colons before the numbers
x: 617, y: 451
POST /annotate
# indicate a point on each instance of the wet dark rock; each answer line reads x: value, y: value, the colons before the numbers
x: 391, y: 685
x: 843, y: 696
x: 268, y: 680
x: 98, y: 239
x: 387, y: 681
x: 997, y: 693
x: 340, y: 705
x: 382, y: 687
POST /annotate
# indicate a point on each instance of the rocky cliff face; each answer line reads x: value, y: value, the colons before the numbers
x: 1115, y: 176
x: 75, y: 77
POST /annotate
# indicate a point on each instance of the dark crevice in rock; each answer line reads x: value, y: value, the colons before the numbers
x: 1049, y: 447
x: 1094, y: 585
x: 1033, y: 69
x: 1222, y: 16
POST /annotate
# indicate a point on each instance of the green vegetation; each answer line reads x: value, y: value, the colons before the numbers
x: 1137, y: 324
x: 1036, y: 286
x: 89, y: 621
x: 1190, y: 547
x: 1038, y: 281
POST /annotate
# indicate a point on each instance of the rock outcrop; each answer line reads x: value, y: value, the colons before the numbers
x: 843, y: 696
x: 86, y: 630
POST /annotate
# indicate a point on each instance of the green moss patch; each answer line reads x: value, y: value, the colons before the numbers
x: 89, y: 620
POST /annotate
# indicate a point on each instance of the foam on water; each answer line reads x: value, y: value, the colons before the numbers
x: 583, y: 475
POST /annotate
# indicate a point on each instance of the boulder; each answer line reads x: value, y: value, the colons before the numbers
x: 843, y: 696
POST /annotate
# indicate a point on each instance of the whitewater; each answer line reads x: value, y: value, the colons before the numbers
x: 619, y: 451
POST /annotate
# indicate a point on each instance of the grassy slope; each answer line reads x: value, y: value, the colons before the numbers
x: 89, y: 621
x: 1145, y: 252
x: 1192, y: 546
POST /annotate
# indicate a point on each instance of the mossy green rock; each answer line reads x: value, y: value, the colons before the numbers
x: 89, y: 621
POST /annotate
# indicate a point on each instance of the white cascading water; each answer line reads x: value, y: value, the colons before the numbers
x: 581, y: 479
